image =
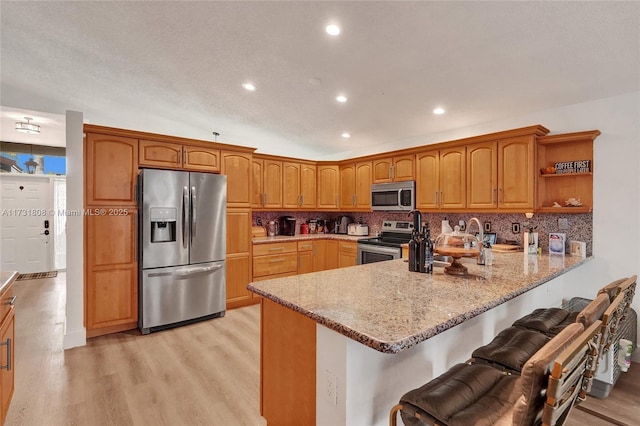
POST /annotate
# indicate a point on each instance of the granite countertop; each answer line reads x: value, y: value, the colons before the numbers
x: 306, y: 237
x: 384, y: 306
x: 6, y: 278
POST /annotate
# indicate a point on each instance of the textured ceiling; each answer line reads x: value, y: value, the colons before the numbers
x: 176, y: 67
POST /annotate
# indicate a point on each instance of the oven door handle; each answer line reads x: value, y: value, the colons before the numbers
x: 396, y: 252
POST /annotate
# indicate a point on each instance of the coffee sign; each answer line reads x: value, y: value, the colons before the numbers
x: 580, y: 166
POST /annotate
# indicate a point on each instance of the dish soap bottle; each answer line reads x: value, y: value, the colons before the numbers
x: 446, y: 228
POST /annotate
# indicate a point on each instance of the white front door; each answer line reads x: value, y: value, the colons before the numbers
x: 25, y: 206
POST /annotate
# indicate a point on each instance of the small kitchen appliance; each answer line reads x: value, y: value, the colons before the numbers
x: 273, y: 228
x: 287, y: 225
x: 342, y: 224
x: 357, y: 229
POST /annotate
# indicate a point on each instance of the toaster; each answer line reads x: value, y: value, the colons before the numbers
x: 358, y: 229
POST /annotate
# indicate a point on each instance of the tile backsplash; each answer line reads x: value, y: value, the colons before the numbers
x: 580, y: 225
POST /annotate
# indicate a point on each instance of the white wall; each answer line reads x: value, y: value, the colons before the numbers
x: 74, y: 332
x: 616, y: 211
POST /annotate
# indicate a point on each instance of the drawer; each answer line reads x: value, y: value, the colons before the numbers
x: 274, y: 248
x: 305, y: 245
x: 6, y: 302
x: 275, y: 264
x: 347, y: 247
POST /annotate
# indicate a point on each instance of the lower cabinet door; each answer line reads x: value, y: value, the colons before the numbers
x: 7, y: 360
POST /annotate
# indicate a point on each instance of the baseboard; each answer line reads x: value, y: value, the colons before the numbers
x: 74, y: 339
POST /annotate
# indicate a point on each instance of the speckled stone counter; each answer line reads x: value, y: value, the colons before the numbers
x: 386, y: 307
x: 306, y: 237
x: 7, y: 278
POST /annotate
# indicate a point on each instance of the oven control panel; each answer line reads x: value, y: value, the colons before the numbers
x: 397, y: 226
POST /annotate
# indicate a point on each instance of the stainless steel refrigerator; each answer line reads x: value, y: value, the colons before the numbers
x: 182, y: 235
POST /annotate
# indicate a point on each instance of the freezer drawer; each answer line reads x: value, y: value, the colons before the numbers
x: 176, y: 294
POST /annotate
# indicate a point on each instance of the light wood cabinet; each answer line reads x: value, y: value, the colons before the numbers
x: 237, y: 167
x: 332, y: 255
x: 482, y: 175
x: 299, y: 186
x: 111, y: 170
x: 328, y: 186
x: 7, y: 350
x: 266, y: 179
x: 394, y: 169
x: 274, y: 258
x: 355, y: 186
x: 305, y: 257
x: 347, y: 252
x: 516, y: 173
x: 441, y: 179
x: 178, y: 156
x: 559, y: 187
x: 239, y: 262
x: 111, y: 280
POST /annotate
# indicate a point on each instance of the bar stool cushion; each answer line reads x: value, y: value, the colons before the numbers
x: 512, y: 347
x: 535, y: 376
x: 543, y: 319
x: 477, y: 394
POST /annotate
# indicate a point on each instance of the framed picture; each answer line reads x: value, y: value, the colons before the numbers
x: 556, y: 242
x: 578, y: 248
x: 489, y: 237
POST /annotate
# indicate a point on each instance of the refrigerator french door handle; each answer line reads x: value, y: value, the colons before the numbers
x: 185, y: 216
x: 185, y: 272
x: 193, y: 212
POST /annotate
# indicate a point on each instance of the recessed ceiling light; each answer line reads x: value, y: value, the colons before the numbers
x: 346, y: 135
x: 332, y: 29
x: 341, y: 98
x: 249, y: 86
x: 438, y: 111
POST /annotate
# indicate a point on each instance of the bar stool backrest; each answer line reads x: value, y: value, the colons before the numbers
x: 594, y: 310
x: 571, y: 376
x: 535, y: 376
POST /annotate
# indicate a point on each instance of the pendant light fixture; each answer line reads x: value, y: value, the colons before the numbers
x: 27, y: 126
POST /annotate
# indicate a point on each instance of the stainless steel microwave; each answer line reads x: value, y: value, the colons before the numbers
x: 395, y: 196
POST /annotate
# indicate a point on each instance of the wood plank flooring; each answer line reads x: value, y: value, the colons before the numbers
x: 202, y: 374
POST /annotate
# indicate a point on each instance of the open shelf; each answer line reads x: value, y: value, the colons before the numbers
x: 569, y: 147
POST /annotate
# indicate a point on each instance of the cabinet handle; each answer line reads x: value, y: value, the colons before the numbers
x: 493, y: 191
x: 500, y: 197
x: 441, y: 198
x: 136, y: 232
x: 353, y: 200
x: 7, y: 343
x: 435, y: 198
x: 301, y: 200
x: 186, y: 155
x: 266, y: 198
x: 305, y: 247
x: 337, y: 202
x: 391, y: 172
x: 179, y: 156
x: 12, y: 301
x: 276, y: 249
x: 276, y: 260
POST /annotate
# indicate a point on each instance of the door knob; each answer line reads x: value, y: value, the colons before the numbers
x: 46, y: 232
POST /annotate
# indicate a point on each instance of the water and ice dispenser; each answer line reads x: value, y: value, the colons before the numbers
x: 163, y: 224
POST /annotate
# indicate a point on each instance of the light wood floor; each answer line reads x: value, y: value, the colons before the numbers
x: 202, y: 374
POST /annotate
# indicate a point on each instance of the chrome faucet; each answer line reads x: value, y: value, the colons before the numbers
x: 481, y: 256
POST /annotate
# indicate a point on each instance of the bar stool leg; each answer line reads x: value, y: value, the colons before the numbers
x: 393, y: 414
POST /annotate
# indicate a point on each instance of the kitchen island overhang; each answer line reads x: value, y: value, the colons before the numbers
x: 381, y: 330
x: 387, y: 308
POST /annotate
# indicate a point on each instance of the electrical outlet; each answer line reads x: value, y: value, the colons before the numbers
x: 331, y: 387
x: 515, y: 227
x: 463, y: 225
x: 563, y: 224
x: 487, y: 227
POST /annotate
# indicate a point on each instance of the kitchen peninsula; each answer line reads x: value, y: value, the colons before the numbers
x: 341, y: 346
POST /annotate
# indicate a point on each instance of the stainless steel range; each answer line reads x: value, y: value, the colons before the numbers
x: 388, y: 245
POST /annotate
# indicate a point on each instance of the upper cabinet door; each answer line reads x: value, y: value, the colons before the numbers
x: 308, y: 192
x: 328, y: 186
x: 427, y: 180
x: 201, y: 159
x: 111, y: 170
x: 347, y: 186
x: 272, y: 184
x: 382, y: 172
x: 363, y: 185
x: 257, y: 183
x: 291, y: 185
x: 237, y: 167
x: 516, y: 172
x: 482, y: 175
x: 160, y: 154
x: 403, y: 168
x: 453, y: 181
